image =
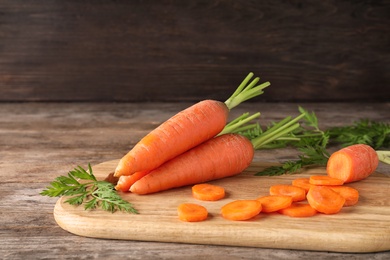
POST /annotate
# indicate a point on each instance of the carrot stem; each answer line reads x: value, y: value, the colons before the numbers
x: 280, y: 129
x: 245, y: 92
x: 384, y: 156
x: 236, y: 125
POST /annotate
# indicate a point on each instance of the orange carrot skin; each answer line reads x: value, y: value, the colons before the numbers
x: 220, y: 157
x: 352, y: 163
x: 178, y: 134
x: 126, y: 181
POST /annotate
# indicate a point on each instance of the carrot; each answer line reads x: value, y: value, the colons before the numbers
x: 303, y: 183
x: 350, y: 194
x: 297, y: 193
x: 191, y: 212
x: 325, y: 180
x: 352, y: 163
x: 299, y: 210
x: 208, y: 192
x: 241, y: 209
x: 219, y: 157
x: 273, y: 203
x: 325, y: 200
x: 185, y: 130
x: 125, y: 181
x: 178, y: 134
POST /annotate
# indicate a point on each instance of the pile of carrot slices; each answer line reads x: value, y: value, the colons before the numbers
x: 304, y: 197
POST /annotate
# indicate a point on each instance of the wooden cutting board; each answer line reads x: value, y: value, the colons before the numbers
x: 361, y: 228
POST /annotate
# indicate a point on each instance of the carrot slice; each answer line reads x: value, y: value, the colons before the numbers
x: 241, y: 209
x: 299, y: 210
x: 303, y: 183
x: 208, y: 192
x: 274, y: 203
x: 325, y: 200
x: 350, y: 194
x: 325, y: 180
x: 353, y: 163
x: 297, y: 193
x: 191, y: 212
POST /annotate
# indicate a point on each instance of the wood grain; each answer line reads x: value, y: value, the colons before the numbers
x: 364, y: 227
x: 53, y: 50
x: 40, y: 141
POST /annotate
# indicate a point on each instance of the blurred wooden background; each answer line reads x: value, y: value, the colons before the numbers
x: 117, y: 50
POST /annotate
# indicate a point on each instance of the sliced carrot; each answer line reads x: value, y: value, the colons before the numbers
x: 350, y: 194
x: 125, y: 181
x: 273, y: 203
x: 325, y: 180
x: 297, y: 193
x: 325, y: 200
x: 303, y: 183
x: 241, y: 209
x: 191, y: 212
x: 208, y: 192
x: 352, y: 163
x: 231, y: 153
x: 299, y: 210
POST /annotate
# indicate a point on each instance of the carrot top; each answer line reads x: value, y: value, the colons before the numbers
x: 246, y: 91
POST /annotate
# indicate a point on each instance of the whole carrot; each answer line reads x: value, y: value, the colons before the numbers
x: 219, y: 157
x: 185, y: 130
x: 352, y: 163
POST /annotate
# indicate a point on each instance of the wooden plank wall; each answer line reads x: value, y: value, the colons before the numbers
x: 167, y: 50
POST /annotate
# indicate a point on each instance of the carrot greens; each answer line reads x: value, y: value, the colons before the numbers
x: 92, y: 192
x: 246, y: 91
x: 312, y: 142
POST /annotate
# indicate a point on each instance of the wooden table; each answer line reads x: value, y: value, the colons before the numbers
x: 40, y: 141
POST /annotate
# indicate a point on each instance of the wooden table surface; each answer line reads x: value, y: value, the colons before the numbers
x: 40, y: 141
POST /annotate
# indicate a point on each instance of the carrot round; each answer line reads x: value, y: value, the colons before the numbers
x: 350, y: 194
x: 273, y: 203
x: 219, y: 157
x: 303, y: 183
x: 352, y: 163
x: 299, y: 210
x: 325, y: 200
x: 325, y: 180
x: 183, y: 131
x: 208, y: 192
x: 191, y: 212
x: 297, y: 193
x: 241, y: 209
